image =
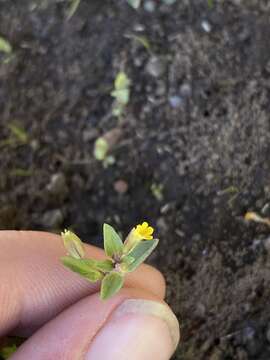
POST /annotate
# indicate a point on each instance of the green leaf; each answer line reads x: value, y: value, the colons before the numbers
x: 19, y: 133
x: 79, y: 266
x: 121, y: 82
x: 101, y: 265
x: 110, y: 285
x: 113, y: 244
x: 121, y: 95
x: 128, y: 259
x: 140, y: 253
x: 5, y: 46
x: 73, y: 244
x: 101, y: 149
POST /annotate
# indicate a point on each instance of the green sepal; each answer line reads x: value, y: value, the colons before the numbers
x: 141, y: 252
x: 79, y: 266
x: 110, y: 285
x: 113, y: 244
x: 73, y: 244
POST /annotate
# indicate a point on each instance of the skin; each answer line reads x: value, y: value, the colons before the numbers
x: 41, y: 299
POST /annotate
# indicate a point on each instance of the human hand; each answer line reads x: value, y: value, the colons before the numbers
x: 62, y: 314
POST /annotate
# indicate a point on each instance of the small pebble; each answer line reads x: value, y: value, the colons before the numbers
x: 156, y: 67
x: 176, y: 101
x: 185, y: 90
x: 248, y: 334
x: 89, y: 135
x: 120, y: 186
x: 149, y: 6
x: 52, y: 219
x: 206, y: 26
x: 58, y: 185
x: 267, y: 244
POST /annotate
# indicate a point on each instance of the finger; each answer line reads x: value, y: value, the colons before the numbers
x: 133, y: 325
x: 35, y: 286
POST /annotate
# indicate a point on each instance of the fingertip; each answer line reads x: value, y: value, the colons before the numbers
x: 134, y: 324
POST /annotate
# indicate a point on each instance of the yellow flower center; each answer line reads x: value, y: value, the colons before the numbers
x: 144, y: 231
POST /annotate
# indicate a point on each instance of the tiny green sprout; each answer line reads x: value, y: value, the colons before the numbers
x: 122, y: 257
x: 121, y: 93
x: 101, y: 149
x: 5, y: 46
x: 142, y: 40
x: 157, y: 191
x: 18, y: 132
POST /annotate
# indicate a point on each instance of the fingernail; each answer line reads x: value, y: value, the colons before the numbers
x: 137, y: 330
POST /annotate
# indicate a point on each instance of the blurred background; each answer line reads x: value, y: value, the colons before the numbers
x: 181, y: 140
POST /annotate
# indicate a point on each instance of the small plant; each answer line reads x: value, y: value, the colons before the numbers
x: 6, y: 53
x: 157, y: 191
x: 101, y: 150
x: 5, y: 46
x: 105, y: 144
x: 121, y: 93
x: 122, y: 258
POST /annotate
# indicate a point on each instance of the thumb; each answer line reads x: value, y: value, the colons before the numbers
x: 133, y: 325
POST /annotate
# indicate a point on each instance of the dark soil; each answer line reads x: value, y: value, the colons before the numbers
x: 197, y: 123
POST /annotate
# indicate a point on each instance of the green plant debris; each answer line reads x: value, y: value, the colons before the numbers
x: 210, y: 3
x: 7, y: 351
x: 19, y: 133
x: 18, y: 136
x: 157, y: 191
x: 231, y: 190
x: 142, y: 40
x: 73, y: 7
x: 122, y: 257
x: 5, y: 46
x: 121, y: 93
x: 9, y: 345
x: 18, y: 172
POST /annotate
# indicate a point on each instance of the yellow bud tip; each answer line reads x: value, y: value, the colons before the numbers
x: 250, y: 216
x: 144, y: 231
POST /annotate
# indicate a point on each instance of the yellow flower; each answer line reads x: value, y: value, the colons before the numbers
x: 144, y: 231
x: 137, y: 234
